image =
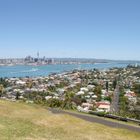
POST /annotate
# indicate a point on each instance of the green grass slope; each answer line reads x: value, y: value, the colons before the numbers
x: 19, y: 121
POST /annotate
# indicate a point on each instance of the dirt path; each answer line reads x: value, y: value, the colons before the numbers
x: 97, y: 120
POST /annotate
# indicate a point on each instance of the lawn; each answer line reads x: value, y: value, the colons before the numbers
x: 20, y: 121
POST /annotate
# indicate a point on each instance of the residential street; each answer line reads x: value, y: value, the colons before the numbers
x: 115, y: 101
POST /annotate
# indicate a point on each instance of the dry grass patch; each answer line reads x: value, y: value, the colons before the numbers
x: 19, y: 121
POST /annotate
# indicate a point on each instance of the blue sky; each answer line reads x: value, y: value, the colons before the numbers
x: 107, y: 29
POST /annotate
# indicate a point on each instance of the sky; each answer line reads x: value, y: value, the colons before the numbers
x: 102, y: 29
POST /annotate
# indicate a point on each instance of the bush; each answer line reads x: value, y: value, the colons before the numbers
x: 54, y: 103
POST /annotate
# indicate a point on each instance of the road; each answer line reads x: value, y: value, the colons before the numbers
x: 97, y: 120
x: 115, y: 101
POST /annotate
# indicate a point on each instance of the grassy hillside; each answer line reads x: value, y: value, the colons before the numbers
x: 19, y: 121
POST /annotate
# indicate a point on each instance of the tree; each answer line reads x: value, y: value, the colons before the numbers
x: 108, y: 98
x: 30, y: 84
x: 68, y: 102
x: 39, y: 99
x: 123, y: 105
x: 36, y: 96
x: 78, y: 100
x: 52, y: 88
x: 137, y: 109
x: 3, y: 82
x: 1, y: 90
x: 114, y: 83
x: 17, y: 95
x: 98, y: 92
x: 136, y: 88
x: 54, y: 102
x: 107, y: 85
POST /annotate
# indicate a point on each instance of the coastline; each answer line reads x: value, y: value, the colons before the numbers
x: 45, y: 70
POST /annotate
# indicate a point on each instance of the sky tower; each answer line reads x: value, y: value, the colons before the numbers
x: 38, y: 55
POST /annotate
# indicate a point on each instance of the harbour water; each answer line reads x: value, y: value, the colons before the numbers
x: 34, y: 71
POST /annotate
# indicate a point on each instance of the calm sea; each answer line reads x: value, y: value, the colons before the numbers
x: 34, y: 71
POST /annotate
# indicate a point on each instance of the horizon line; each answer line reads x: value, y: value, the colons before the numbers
x: 105, y: 59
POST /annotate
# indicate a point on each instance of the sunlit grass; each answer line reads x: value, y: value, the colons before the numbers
x: 19, y: 121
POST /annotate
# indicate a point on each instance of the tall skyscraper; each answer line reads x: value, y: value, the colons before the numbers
x: 38, y: 55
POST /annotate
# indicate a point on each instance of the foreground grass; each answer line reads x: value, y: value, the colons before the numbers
x: 19, y: 121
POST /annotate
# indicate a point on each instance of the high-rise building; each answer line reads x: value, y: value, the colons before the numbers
x: 38, y: 55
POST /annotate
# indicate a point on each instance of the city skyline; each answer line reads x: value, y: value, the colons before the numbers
x: 70, y: 29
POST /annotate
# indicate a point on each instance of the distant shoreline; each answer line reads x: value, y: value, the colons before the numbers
x: 34, y: 64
